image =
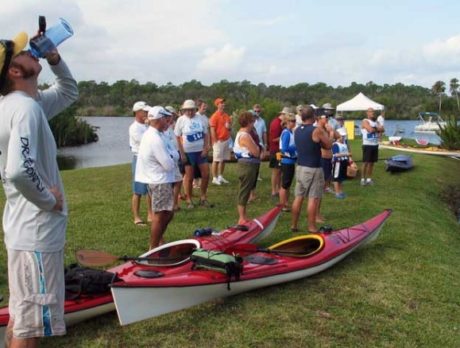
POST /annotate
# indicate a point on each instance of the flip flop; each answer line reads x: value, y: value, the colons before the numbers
x: 140, y: 223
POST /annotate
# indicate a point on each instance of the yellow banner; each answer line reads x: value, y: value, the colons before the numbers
x: 350, y: 126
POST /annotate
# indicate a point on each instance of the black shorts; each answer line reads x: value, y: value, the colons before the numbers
x: 287, y: 174
x: 370, y: 153
x: 274, y: 163
x: 339, y: 170
x: 326, y: 164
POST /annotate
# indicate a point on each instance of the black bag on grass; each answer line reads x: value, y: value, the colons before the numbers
x: 84, y: 281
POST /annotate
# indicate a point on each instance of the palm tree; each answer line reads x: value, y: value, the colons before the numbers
x: 438, y: 89
x: 454, y: 90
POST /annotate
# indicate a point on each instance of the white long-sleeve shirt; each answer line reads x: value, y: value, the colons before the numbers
x: 156, y: 159
x: 28, y: 165
x: 136, y: 131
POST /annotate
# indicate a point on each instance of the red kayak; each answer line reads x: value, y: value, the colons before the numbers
x: 89, y: 307
x: 149, y: 291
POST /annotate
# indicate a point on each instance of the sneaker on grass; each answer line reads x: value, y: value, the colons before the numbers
x: 223, y: 180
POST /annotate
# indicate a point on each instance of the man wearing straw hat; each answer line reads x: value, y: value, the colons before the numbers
x: 35, y: 215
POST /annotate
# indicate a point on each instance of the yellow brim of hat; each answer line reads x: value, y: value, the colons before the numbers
x: 20, y: 42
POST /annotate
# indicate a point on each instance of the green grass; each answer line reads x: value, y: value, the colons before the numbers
x: 402, y: 290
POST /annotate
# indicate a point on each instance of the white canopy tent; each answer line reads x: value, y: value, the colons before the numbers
x: 359, y: 103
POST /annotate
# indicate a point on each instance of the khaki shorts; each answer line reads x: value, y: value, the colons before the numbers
x: 309, y: 182
x: 162, y: 197
x: 221, y: 151
x: 37, y: 292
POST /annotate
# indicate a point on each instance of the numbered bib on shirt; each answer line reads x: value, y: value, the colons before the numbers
x: 195, y: 137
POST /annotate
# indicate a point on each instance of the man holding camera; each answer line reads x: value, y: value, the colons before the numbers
x: 35, y: 215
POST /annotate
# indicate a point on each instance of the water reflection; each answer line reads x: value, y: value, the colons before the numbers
x: 112, y: 147
x: 66, y: 162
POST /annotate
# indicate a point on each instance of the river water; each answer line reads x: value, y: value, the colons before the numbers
x: 113, y: 145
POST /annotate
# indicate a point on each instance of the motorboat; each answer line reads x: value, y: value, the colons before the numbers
x: 431, y: 122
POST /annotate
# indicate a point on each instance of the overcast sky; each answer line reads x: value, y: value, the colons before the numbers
x: 272, y: 41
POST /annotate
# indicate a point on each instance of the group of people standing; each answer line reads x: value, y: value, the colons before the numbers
x: 170, y: 150
x: 310, y: 146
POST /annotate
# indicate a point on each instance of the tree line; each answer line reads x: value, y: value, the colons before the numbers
x: 402, y: 102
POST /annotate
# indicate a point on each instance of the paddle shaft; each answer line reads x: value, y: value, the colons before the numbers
x: 100, y: 258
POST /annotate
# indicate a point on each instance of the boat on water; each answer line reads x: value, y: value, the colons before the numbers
x: 399, y: 163
x: 430, y: 122
x: 87, y: 307
x: 146, y: 292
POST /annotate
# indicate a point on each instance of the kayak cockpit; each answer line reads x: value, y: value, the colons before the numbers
x: 170, y: 254
x: 301, y: 246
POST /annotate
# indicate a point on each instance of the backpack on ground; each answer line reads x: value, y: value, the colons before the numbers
x: 231, y: 265
x: 84, y: 281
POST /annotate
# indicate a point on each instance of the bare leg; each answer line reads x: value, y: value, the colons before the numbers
x: 204, y: 170
x: 276, y: 180
x: 284, y: 197
x: 337, y: 187
x: 176, y: 192
x: 370, y: 169
x: 221, y: 168
x: 13, y: 342
x: 188, y: 180
x: 296, y: 207
x: 214, y: 168
x: 364, y: 170
x: 149, y: 207
x: 319, y: 218
x: 242, y: 217
x: 312, y: 209
x: 135, y: 204
x: 159, y: 224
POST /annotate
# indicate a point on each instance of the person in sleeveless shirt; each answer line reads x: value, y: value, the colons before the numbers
x: 370, y: 131
x: 247, y: 153
x: 309, y: 175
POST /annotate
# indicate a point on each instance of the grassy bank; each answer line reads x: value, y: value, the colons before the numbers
x: 402, y: 290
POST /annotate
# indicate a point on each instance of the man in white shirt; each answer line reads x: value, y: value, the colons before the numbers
x: 136, y: 131
x: 35, y: 215
x: 260, y: 126
x: 156, y: 166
